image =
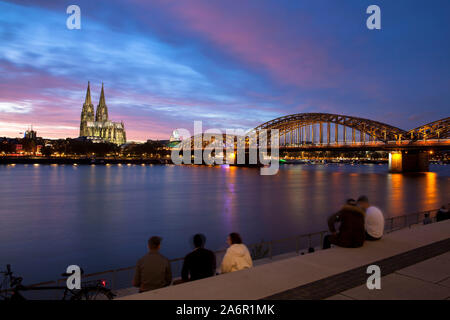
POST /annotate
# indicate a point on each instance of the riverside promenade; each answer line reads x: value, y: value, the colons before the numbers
x: 414, y: 263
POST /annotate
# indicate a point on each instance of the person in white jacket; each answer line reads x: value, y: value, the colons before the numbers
x: 374, y: 219
x: 237, y: 256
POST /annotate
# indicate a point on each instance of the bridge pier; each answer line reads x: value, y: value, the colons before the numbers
x: 408, y: 161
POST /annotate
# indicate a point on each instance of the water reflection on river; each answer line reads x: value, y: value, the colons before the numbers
x: 101, y: 216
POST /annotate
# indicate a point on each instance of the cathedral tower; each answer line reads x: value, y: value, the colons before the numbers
x: 98, y: 127
x: 87, y: 113
x: 102, y: 110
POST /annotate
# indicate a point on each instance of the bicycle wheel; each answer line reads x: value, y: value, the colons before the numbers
x: 94, y: 293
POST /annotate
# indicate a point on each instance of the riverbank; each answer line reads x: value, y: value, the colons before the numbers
x: 262, y: 253
x: 79, y: 161
x: 104, y: 161
x: 327, y: 273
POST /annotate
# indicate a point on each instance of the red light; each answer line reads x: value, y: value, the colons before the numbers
x: 104, y: 283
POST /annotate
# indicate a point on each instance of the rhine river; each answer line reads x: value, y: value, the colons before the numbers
x: 100, y: 217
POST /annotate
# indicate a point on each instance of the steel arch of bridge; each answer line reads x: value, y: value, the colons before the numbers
x: 297, y: 127
x: 434, y: 130
x: 292, y: 123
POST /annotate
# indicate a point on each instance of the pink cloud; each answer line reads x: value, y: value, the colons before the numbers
x: 54, y: 103
x: 260, y: 40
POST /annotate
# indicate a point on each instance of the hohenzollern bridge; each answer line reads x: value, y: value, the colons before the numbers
x: 324, y: 131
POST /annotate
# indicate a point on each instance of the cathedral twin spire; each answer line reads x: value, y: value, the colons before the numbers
x: 102, y: 109
x: 88, y: 108
x: 97, y: 125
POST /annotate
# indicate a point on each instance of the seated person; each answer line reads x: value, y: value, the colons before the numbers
x: 442, y: 214
x: 152, y: 270
x: 200, y: 263
x: 351, y: 231
x: 237, y: 256
x: 427, y: 219
x: 374, y: 222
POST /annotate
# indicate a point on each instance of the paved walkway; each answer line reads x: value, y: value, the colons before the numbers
x: 285, y: 279
x: 355, y: 280
x: 427, y: 280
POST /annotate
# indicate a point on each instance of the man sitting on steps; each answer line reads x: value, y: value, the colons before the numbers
x: 351, y: 231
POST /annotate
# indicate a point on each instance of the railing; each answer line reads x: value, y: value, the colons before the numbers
x: 408, y: 220
x: 301, y: 244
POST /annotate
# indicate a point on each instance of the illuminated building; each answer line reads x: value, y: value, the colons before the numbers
x: 98, y: 126
x: 30, y: 134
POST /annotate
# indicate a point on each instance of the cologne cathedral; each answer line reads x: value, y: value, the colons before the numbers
x: 98, y: 127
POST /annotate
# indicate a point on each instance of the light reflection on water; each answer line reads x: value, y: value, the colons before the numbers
x: 101, y: 216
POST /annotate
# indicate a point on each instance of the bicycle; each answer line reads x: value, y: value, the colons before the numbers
x: 90, y: 290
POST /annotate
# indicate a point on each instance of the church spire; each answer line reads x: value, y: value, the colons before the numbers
x: 102, y: 109
x: 102, y: 97
x: 87, y: 101
x: 87, y: 113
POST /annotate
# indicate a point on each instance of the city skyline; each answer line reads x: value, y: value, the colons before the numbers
x: 166, y: 65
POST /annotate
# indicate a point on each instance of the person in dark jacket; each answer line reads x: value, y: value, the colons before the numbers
x: 351, y: 231
x: 200, y: 263
x: 442, y: 214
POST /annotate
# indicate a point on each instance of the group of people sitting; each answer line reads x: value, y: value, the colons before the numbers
x: 358, y: 221
x: 153, y: 270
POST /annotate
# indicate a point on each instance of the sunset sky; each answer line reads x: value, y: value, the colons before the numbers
x: 231, y: 64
